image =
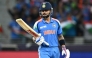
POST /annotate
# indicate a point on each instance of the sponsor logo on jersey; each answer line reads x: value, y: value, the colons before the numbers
x: 43, y: 27
x: 49, y: 32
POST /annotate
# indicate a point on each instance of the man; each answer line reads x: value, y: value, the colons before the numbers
x: 51, y: 32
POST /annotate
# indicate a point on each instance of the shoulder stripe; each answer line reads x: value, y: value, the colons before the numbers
x: 56, y: 20
x: 39, y: 20
x: 35, y: 25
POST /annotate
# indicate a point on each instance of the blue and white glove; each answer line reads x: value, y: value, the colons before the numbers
x: 66, y: 52
x: 39, y: 40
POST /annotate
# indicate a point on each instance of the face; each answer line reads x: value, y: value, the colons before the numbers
x: 45, y: 13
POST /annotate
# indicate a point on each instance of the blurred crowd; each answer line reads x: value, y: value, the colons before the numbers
x: 74, y: 15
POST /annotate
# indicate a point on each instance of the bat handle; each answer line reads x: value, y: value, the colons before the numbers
x: 46, y: 43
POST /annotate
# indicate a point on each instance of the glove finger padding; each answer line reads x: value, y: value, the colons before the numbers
x: 39, y: 40
x: 66, y: 52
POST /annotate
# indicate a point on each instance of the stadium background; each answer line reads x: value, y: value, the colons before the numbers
x: 75, y: 17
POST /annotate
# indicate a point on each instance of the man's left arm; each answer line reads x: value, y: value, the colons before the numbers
x: 62, y: 44
x: 62, y: 41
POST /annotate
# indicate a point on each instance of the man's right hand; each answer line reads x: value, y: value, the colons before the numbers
x: 39, y: 40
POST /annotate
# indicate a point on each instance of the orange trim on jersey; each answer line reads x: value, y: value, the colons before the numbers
x: 55, y: 19
x: 39, y: 20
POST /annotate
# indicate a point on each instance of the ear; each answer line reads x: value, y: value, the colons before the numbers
x: 51, y: 11
x: 40, y: 13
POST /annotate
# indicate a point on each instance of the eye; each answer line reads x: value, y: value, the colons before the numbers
x: 44, y: 10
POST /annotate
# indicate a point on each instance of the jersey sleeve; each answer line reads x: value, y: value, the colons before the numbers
x: 59, y: 31
x: 35, y: 27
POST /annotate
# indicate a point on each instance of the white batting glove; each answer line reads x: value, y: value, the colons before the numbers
x: 66, y: 52
x: 39, y: 40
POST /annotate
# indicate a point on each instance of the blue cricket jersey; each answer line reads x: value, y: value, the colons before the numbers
x: 49, y: 31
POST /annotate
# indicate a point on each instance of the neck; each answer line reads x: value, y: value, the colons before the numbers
x: 47, y: 19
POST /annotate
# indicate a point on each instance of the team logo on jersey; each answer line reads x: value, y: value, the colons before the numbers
x: 54, y: 25
x: 43, y: 27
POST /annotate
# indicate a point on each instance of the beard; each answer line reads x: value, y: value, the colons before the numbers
x: 46, y: 16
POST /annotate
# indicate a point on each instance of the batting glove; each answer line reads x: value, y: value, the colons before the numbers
x: 39, y: 40
x: 66, y: 52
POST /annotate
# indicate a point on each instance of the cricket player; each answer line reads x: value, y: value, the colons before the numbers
x: 51, y: 32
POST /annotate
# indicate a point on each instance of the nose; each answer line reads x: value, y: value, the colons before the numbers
x: 44, y: 10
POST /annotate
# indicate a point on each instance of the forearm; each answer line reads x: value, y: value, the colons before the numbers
x: 62, y: 44
x: 61, y: 41
x: 61, y: 37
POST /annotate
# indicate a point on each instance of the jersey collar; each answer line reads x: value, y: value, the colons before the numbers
x: 51, y: 20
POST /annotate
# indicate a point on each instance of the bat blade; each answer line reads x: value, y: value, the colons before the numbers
x: 27, y: 28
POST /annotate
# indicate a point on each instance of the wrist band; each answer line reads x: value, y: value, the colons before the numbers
x: 62, y: 42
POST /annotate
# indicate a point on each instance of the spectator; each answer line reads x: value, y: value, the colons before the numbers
x: 15, y: 31
x: 19, y: 4
x: 34, y: 13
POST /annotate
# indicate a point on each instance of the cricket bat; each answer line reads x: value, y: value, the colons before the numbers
x: 28, y: 29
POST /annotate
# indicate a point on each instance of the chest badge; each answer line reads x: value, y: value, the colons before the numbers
x: 53, y: 25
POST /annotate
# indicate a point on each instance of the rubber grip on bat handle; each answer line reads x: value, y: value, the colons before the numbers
x: 46, y: 43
